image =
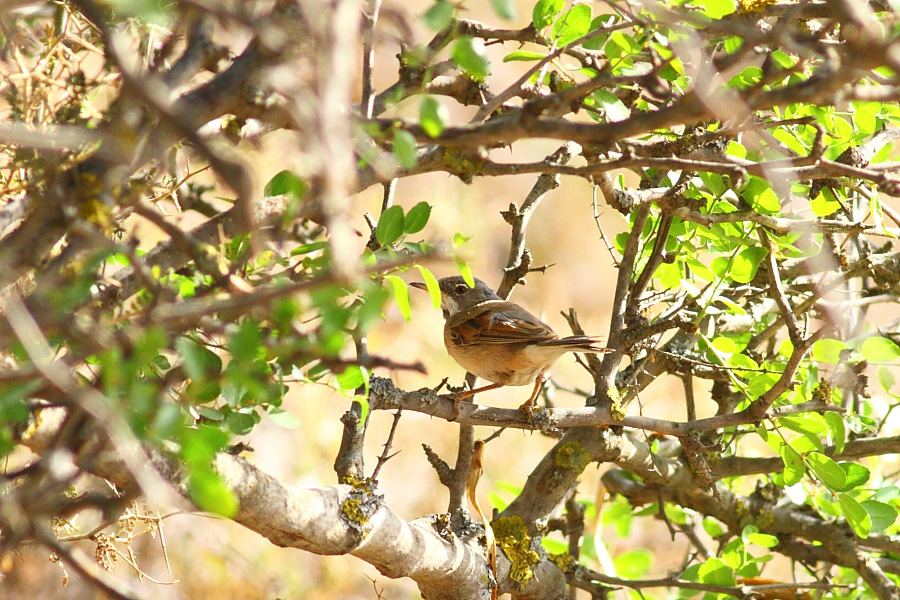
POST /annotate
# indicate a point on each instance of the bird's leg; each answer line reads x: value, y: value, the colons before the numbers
x: 528, y: 407
x: 460, y: 396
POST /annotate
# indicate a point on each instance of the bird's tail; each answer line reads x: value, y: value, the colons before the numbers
x: 579, y: 343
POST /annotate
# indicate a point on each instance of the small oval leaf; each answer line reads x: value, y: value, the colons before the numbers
x: 828, y: 471
x: 390, y: 226
x: 417, y: 218
x: 856, y: 515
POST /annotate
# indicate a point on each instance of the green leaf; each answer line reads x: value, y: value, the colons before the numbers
x: 864, y: 119
x: 431, y: 282
x: 835, y: 422
x: 615, y: 109
x: 856, y: 474
x: 713, y: 528
x: 879, y: 349
x: 746, y: 78
x: 240, y: 422
x: 544, y: 12
x: 751, y: 535
x: 286, y: 182
x: 554, y: 546
x: 523, y: 55
x: 505, y: 9
x: 401, y: 295
x: 715, y: 9
x: 465, y: 271
x: 417, y: 218
x: 633, y: 564
x: 199, y: 362
x: 439, y: 15
x: 828, y: 471
x: 470, y: 55
x: 716, y: 572
x: 404, y: 148
x: 433, y: 116
x: 886, y: 380
x: 825, y: 204
x: 460, y: 239
x: 882, y: 515
x: 794, y: 467
x: 746, y: 263
x: 353, y: 378
x: 572, y: 24
x: 209, y: 493
x: 782, y: 60
x: 246, y: 344
x: 804, y: 425
x: 828, y: 351
x: 763, y: 539
x: 733, y: 44
x: 856, y: 515
x: 208, y: 412
x: 390, y: 225
x: 363, y: 402
x: 199, y: 445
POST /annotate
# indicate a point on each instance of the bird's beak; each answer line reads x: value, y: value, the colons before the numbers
x: 420, y: 285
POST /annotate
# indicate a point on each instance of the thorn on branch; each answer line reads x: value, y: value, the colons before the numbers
x: 444, y: 472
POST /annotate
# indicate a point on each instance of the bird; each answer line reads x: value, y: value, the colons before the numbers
x: 500, y: 341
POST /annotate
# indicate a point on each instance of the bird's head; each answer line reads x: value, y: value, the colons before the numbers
x: 456, y: 295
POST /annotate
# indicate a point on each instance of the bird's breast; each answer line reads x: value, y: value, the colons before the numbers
x: 509, y: 364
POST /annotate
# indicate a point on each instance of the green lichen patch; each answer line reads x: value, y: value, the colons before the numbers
x: 465, y: 165
x: 755, y: 5
x: 512, y: 537
x: 572, y: 456
x: 563, y: 560
x: 352, y: 509
x: 361, y: 503
x: 615, y: 408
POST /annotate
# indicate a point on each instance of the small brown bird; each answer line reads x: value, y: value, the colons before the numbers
x: 500, y: 341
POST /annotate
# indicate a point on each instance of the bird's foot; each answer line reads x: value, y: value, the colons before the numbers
x: 528, y: 409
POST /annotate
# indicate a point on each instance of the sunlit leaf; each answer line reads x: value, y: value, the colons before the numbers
x: 401, y: 295
x: 470, y: 55
x: 433, y: 116
x: 879, y: 349
x: 835, y: 422
x: 572, y: 24
x: 431, y: 282
x: 827, y: 471
x: 545, y: 11
x: 856, y: 515
x: 794, y: 468
x: 523, y: 55
x: 466, y: 272
x: 209, y: 493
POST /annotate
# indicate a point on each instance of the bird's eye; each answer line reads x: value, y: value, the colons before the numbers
x: 462, y: 288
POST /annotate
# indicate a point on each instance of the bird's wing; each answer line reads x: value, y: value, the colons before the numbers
x: 497, y: 322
